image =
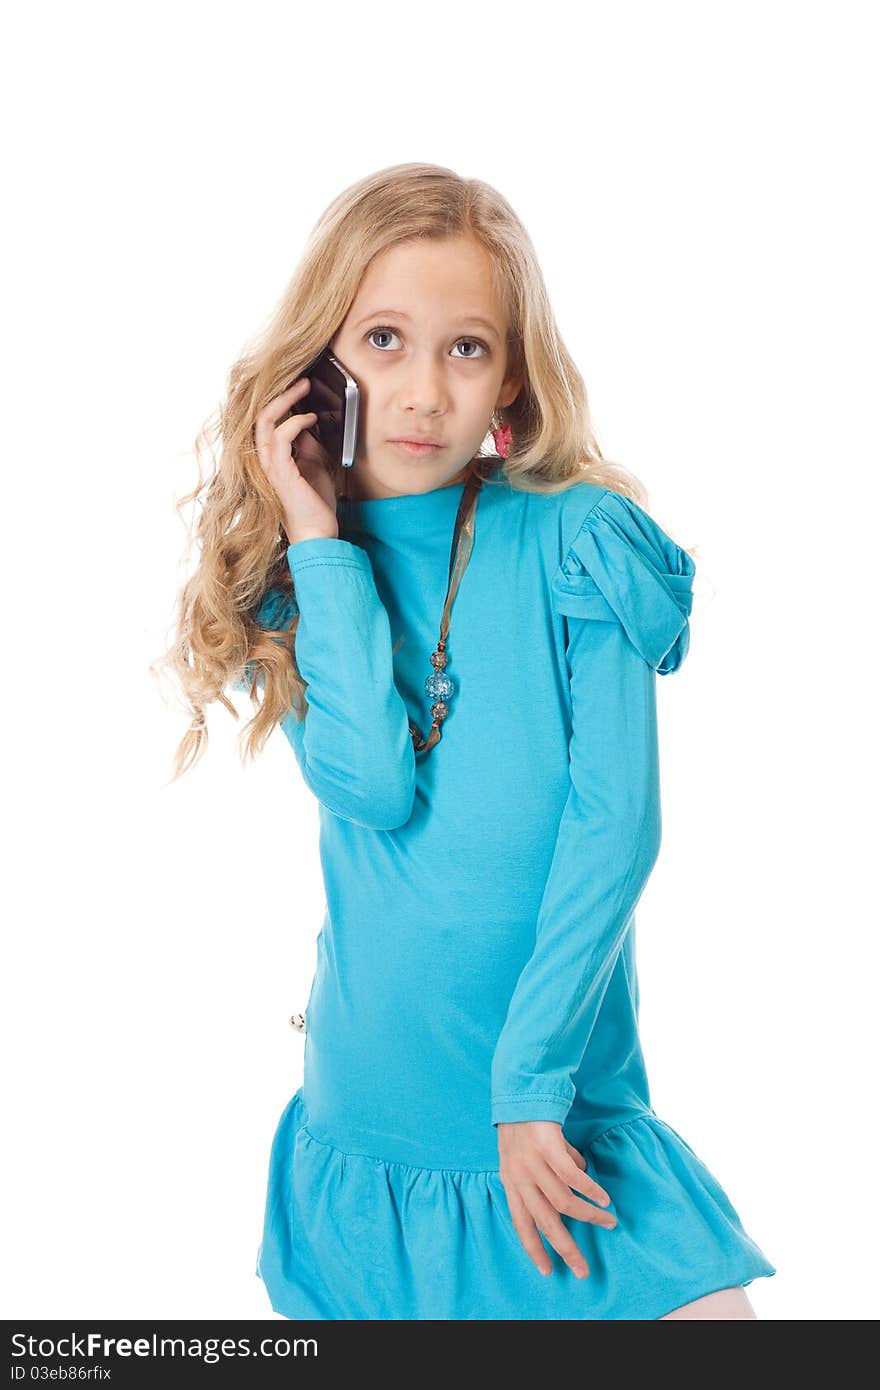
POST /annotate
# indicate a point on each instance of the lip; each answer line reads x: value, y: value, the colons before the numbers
x: 417, y: 446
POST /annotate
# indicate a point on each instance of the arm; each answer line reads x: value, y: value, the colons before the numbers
x: 625, y: 590
x: 354, y: 747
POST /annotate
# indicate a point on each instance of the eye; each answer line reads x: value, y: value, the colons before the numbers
x: 373, y: 331
x: 469, y: 356
x: 476, y: 343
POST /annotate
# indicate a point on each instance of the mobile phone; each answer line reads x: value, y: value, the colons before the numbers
x: 335, y: 398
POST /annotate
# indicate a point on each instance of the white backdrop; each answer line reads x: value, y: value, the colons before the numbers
x: 700, y: 184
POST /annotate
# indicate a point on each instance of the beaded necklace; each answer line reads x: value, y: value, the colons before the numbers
x: 438, y: 686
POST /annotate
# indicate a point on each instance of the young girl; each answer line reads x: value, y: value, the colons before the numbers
x: 477, y: 637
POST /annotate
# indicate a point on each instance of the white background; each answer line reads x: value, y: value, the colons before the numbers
x: 700, y: 184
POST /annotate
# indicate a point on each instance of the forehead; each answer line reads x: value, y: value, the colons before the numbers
x: 432, y: 281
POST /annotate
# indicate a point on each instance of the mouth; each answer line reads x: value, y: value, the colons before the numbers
x: 417, y: 446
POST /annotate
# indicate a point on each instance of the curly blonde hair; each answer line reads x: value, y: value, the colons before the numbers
x: 218, y: 639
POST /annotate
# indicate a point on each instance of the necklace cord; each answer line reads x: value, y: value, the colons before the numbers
x: 438, y: 686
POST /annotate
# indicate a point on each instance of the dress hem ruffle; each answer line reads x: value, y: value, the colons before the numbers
x: 351, y: 1236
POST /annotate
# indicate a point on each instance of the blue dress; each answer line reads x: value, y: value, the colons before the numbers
x: 476, y: 961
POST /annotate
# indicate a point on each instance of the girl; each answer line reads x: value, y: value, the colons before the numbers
x: 474, y: 1136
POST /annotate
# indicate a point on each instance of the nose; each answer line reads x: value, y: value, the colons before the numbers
x: 423, y: 391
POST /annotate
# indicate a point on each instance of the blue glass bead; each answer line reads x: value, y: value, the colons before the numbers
x: 438, y: 686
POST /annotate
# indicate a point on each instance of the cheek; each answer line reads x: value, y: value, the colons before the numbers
x: 480, y: 397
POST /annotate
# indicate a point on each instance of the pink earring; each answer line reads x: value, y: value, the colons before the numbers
x: 503, y: 437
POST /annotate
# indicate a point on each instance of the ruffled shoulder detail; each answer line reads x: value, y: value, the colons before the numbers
x: 277, y: 609
x: 623, y: 567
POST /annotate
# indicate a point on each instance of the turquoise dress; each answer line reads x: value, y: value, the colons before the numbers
x: 476, y: 961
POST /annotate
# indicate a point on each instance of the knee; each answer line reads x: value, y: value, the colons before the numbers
x: 722, y: 1304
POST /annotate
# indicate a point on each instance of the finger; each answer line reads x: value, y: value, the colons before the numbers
x: 272, y: 412
x: 582, y: 1182
x: 266, y: 419
x: 575, y: 1154
x: 528, y: 1235
x: 550, y: 1224
x: 564, y: 1200
x: 275, y: 452
x: 288, y: 456
x: 576, y: 1176
x: 550, y: 1159
x: 284, y: 434
x: 266, y: 433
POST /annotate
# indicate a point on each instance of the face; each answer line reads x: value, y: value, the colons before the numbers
x: 424, y: 366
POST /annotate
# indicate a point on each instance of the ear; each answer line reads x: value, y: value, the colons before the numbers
x: 509, y: 391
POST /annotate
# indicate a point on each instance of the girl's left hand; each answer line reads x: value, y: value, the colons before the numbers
x: 539, y: 1168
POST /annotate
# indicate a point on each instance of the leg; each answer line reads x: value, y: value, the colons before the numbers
x: 724, y: 1304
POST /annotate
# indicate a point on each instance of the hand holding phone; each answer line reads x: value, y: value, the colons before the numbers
x: 334, y: 397
x: 303, y: 485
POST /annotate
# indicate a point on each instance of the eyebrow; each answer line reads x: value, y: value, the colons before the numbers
x: 464, y: 318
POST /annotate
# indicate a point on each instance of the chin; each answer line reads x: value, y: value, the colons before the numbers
x: 404, y: 477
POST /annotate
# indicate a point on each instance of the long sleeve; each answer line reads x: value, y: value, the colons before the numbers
x: 625, y: 589
x: 354, y: 747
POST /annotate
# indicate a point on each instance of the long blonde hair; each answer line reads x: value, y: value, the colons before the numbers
x: 242, y: 554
